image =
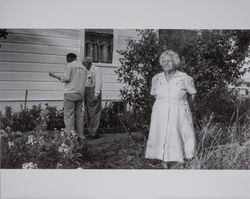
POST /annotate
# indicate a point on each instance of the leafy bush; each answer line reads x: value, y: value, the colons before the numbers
x: 29, y: 119
x: 25, y: 120
x: 214, y: 58
x: 36, y: 146
x: 41, y: 149
x: 139, y: 62
x: 115, y: 118
x: 55, y: 118
x: 112, y: 113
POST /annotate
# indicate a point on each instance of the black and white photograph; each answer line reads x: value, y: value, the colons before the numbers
x: 125, y: 99
x: 115, y: 99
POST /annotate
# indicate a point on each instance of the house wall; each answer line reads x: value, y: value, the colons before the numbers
x: 27, y: 55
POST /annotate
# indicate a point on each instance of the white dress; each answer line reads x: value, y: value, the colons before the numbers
x: 171, y: 135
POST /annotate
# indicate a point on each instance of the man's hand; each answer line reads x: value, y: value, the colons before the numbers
x: 51, y: 74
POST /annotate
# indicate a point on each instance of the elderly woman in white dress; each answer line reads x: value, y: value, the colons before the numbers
x: 171, y: 136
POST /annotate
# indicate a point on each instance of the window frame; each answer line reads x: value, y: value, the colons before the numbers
x: 115, y: 54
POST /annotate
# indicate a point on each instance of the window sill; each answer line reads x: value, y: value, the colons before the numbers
x: 99, y: 64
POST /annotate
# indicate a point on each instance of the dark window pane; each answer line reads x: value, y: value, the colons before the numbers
x: 99, y: 44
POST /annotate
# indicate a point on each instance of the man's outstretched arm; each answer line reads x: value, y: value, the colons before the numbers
x: 51, y: 74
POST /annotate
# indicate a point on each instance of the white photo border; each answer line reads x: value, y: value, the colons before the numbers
x: 125, y: 184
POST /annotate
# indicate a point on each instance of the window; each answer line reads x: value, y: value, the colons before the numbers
x: 248, y: 84
x: 99, y: 44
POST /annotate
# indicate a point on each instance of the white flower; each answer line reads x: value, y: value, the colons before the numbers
x: 3, y: 133
x: 8, y: 129
x: 10, y: 144
x: 58, y: 165
x: 31, y: 140
x: 63, y: 149
x: 18, y: 133
x: 29, y: 165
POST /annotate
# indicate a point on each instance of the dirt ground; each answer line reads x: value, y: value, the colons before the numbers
x: 118, y: 151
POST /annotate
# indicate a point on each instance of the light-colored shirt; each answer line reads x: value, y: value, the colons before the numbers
x: 74, y: 78
x: 94, y: 79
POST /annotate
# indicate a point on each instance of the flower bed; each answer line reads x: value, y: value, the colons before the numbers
x: 41, y: 149
x: 218, y: 147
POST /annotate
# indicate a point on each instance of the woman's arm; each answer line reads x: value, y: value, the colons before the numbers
x: 151, y: 99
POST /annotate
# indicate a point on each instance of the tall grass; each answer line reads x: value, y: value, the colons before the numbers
x: 221, y: 146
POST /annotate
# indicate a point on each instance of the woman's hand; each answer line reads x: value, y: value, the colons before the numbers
x: 192, y: 98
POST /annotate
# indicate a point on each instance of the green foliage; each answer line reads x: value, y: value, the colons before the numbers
x: 42, y: 149
x: 109, y: 115
x: 25, y: 120
x: 139, y: 62
x: 51, y: 118
x: 55, y: 118
x: 29, y: 119
x: 214, y: 58
x: 36, y: 146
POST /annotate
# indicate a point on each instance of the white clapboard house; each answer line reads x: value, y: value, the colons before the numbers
x: 27, y: 55
x: 243, y: 88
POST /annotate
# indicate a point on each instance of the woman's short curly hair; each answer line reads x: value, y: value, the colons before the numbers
x: 172, y: 54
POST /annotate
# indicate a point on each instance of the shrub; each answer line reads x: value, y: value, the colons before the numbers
x: 55, y: 118
x: 112, y: 114
x: 41, y: 149
x: 139, y: 62
x: 36, y: 146
x: 29, y: 119
x: 25, y: 120
x: 214, y: 58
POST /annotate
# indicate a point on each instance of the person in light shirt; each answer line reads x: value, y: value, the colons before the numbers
x: 171, y: 135
x: 74, y: 79
x: 93, y: 98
